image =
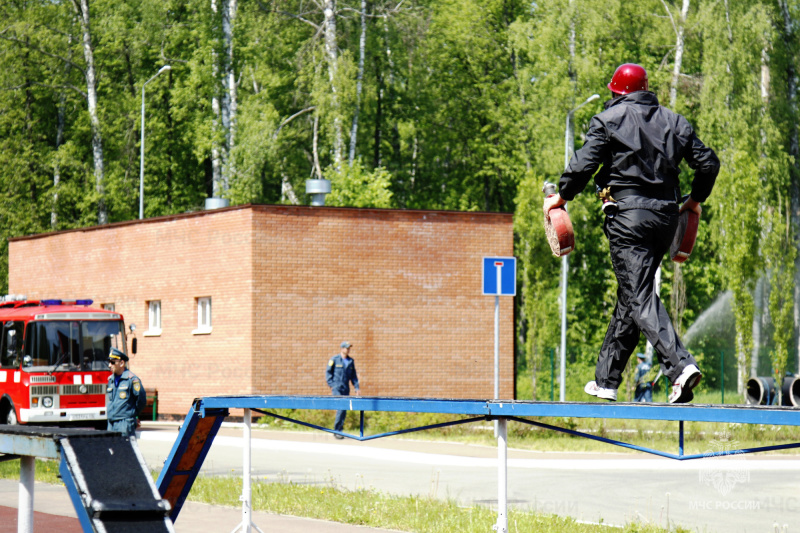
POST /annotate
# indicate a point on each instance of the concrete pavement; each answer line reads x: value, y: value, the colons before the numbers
x: 54, y: 512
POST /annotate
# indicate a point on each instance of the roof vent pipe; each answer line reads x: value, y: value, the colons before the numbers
x: 216, y: 203
x: 318, y: 189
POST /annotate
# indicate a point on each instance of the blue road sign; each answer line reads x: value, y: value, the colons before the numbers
x: 500, y: 276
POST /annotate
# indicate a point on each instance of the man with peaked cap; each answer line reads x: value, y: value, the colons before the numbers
x: 340, y: 373
x: 125, y: 395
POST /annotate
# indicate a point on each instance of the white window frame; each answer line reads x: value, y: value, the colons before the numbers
x: 153, y: 318
x: 108, y: 307
x: 203, y: 316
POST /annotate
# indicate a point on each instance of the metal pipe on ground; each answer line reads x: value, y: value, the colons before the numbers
x: 760, y: 391
x: 791, y: 391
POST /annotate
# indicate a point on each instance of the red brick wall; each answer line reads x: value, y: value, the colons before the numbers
x: 288, y: 284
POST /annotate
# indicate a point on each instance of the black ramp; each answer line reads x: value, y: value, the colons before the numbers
x: 115, y: 485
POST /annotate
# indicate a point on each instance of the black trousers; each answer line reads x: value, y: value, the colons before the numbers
x: 638, y: 239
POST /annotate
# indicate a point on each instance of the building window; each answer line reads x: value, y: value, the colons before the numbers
x: 153, y: 318
x: 203, y: 316
x: 108, y: 307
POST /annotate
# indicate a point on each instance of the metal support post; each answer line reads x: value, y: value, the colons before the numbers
x: 246, y: 524
x: 497, y: 346
x: 27, y: 474
x: 502, y: 476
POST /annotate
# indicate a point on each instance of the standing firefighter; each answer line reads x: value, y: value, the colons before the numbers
x: 638, y: 146
x: 125, y: 395
x: 340, y: 373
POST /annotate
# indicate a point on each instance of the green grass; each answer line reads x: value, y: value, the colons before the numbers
x: 46, y: 471
x: 373, y: 509
x: 362, y: 507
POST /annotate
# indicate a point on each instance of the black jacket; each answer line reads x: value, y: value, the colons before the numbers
x: 640, y: 145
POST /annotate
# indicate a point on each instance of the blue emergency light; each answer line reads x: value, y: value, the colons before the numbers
x: 61, y: 302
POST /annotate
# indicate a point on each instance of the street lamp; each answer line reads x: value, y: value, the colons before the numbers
x: 141, y: 148
x: 569, y: 140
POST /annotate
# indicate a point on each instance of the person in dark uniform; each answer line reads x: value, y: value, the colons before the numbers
x: 125, y: 395
x: 638, y: 146
x: 340, y: 373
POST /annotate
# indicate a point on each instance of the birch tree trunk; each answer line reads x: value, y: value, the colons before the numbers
x: 761, y: 307
x: 224, y: 98
x: 229, y: 85
x: 679, y: 44
x: 82, y: 10
x: 217, y: 155
x: 331, y: 52
x: 362, y: 45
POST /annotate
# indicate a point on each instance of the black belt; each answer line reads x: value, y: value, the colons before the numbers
x: 669, y: 195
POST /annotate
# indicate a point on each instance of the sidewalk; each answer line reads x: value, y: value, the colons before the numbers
x: 53, y: 511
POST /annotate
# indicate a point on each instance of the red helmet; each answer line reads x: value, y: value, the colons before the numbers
x: 628, y: 78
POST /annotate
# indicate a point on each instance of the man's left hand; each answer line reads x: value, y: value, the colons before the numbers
x: 691, y: 205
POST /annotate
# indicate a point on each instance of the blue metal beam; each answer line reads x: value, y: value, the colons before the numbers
x: 680, y: 456
x: 734, y: 414
x: 348, y: 403
x: 362, y: 438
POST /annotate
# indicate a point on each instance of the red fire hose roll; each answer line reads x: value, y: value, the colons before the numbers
x: 685, y: 236
x: 558, y: 228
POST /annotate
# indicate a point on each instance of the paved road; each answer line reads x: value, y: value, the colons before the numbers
x: 747, y: 494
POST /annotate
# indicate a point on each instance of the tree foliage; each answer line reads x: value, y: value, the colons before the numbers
x: 453, y: 104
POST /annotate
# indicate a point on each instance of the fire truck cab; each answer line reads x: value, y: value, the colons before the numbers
x: 53, y: 361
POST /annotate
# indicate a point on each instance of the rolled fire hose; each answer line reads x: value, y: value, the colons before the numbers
x: 685, y: 236
x: 558, y: 227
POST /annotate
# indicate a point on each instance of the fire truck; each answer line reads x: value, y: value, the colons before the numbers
x: 53, y: 361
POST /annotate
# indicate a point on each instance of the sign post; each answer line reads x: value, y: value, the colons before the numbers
x: 500, y: 279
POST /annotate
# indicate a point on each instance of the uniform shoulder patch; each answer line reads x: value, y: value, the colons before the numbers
x: 137, y: 385
x: 330, y: 363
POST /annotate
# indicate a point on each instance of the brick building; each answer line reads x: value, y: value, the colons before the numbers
x: 254, y: 299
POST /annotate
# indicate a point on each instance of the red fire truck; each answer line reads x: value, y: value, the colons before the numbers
x: 53, y: 357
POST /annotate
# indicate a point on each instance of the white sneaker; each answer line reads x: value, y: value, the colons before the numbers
x: 682, y: 388
x: 600, y: 392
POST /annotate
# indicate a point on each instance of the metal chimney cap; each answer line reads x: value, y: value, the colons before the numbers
x: 216, y: 203
x: 318, y: 186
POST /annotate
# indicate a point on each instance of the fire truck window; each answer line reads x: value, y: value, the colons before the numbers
x: 98, y: 338
x: 72, y: 345
x: 9, y: 354
x: 54, y: 343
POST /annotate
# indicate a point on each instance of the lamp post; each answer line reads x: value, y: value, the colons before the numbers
x: 569, y: 139
x: 141, y: 146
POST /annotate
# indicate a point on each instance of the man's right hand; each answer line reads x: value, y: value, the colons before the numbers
x: 552, y: 202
